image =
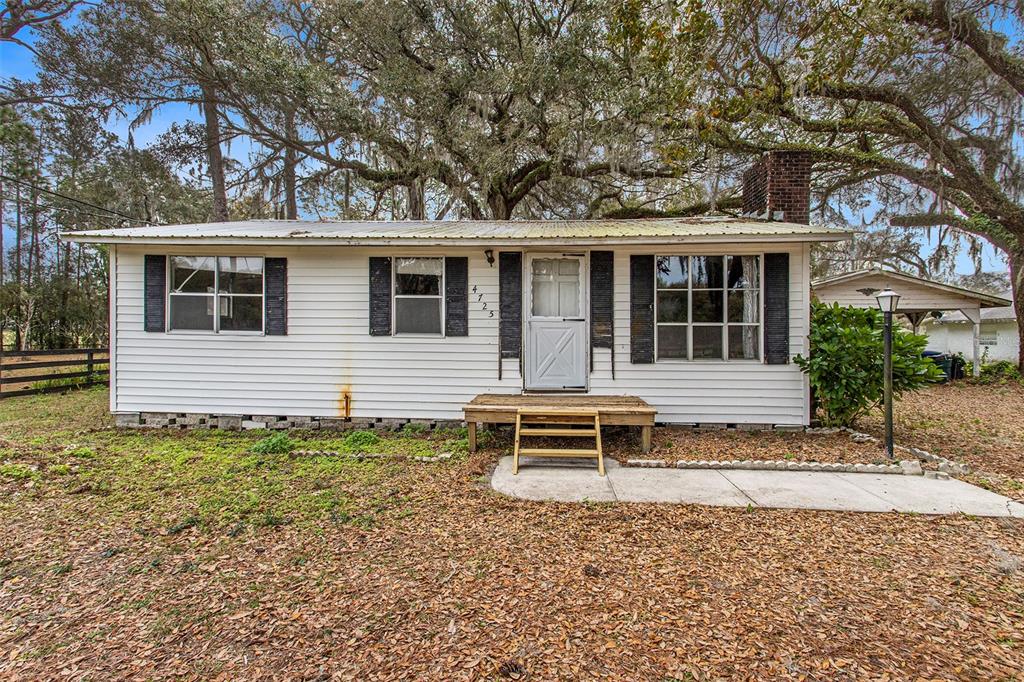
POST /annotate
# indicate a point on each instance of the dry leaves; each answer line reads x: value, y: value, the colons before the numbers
x: 464, y: 584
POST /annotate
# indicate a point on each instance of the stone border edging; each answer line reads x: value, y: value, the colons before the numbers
x: 908, y: 467
x: 946, y: 466
x: 359, y: 456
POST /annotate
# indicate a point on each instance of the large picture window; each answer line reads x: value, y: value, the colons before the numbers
x: 708, y: 307
x: 419, y: 300
x: 216, y: 293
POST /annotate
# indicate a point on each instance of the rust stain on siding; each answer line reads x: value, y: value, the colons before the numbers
x: 345, y: 401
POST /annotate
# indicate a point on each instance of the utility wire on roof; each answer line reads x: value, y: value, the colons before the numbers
x: 30, y: 185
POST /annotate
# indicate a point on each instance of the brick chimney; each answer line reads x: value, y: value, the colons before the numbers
x: 778, y: 187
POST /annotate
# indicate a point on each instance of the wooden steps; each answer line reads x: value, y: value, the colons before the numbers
x: 531, y: 421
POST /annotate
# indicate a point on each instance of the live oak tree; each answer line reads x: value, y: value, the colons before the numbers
x: 915, y: 102
x: 486, y: 108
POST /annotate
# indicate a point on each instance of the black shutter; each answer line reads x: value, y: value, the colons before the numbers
x: 275, y: 273
x: 776, y: 308
x: 456, y: 296
x: 380, y: 296
x: 510, y: 303
x: 155, y: 293
x: 602, y: 285
x: 641, y: 309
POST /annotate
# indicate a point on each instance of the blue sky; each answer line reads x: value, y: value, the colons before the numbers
x: 17, y: 61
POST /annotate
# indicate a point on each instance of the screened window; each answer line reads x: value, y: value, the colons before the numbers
x: 216, y: 293
x: 708, y: 307
x: 419, y: 301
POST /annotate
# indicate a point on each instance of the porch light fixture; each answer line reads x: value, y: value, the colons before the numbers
x: 489, y: 254
x: 888, y: 301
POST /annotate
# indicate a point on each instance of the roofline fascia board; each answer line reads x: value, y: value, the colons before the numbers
x: 989, y: 300
x: 332, y: 241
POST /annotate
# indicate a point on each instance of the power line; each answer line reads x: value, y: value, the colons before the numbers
x: 7, y: 178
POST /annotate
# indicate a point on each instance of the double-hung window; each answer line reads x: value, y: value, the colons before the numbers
x: 216, y: 293
x: 419, y: 300
x: 708, y: 307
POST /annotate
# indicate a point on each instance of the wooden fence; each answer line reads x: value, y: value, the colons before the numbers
x: 19, y: 371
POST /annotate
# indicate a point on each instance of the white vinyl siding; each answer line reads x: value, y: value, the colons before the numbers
x: 329, y: 354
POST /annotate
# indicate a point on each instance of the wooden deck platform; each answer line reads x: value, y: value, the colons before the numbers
x: 616, y: 410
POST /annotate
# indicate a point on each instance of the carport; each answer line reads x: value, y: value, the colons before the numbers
x: 918, y: 297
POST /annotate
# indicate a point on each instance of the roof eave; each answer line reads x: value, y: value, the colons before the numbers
x: 489, y: 241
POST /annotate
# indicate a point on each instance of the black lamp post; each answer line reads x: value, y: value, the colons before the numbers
x: 887, y: 302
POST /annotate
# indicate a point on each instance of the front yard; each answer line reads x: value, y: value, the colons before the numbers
x: 170, y: 554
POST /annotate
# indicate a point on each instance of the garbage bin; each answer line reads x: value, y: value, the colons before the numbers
x: 945, y: 363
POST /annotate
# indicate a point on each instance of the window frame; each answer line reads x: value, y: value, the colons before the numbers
x: 216, y: 295
x: 395, y: 296
x: 724, y: 324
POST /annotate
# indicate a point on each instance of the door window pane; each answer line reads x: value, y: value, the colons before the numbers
x: 191, y: 312
x: 708, y: 306
x: 744, y: 306
x: 672, y: 306
x: 193, y: 274
x: 241, y: 313
x: 417, y: 315
x: 569, y: 298
x: 240, y: 275
x: 672, y: 341
x: 707, y: 272
x: 707, y: 342
x: 744, y: 342
x: 418, y: 276
x: 555, y: 286
x: 672, y: 272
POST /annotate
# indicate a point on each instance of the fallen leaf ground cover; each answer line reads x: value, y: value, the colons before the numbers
x: 675, y: 444
x: 979, y: 425
x: 162, y: 555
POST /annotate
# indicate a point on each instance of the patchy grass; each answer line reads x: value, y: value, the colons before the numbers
x: 187, y: 555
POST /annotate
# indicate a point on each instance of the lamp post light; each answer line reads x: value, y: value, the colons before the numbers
x: 887, y: 302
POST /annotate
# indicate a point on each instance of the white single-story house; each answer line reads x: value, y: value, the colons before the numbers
x: 920, y: 298
x: 700, y: 317
x: 998, y: 336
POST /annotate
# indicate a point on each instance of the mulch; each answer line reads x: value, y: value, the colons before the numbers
x: 471, y: 585
x: 676, y: 444
x: 981, y: 426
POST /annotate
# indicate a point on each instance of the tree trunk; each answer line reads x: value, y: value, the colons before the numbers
x: 291, y: 201
x: 1016, y: 257
x: 417, y: 200
x: 213, y: 153
x: 17, y: 268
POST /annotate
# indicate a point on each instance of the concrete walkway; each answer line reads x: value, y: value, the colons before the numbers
x: 561, y: 480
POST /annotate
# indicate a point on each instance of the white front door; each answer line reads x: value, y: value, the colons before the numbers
x: 556, y: 322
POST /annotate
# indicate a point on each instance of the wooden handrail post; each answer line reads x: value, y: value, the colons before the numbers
x: 89, y: 364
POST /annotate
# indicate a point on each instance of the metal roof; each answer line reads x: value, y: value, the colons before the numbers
x: 499, y: 233
x: 984, y: 300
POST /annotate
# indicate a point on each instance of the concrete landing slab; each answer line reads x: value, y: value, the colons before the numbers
x: 545, y: 479
x: 680, y: 486
x: 932, y: 496
x: 550, y: 481
x: 804, y: 490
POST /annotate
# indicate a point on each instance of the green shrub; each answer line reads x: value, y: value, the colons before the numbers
x: 358, y: 440
x: 998, y: 372
x: 277, y: 444
x: 846, y: 360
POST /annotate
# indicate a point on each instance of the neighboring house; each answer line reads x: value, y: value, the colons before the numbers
x: 410, y: 320
x: 919, y: 299
x: 998, y: 336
